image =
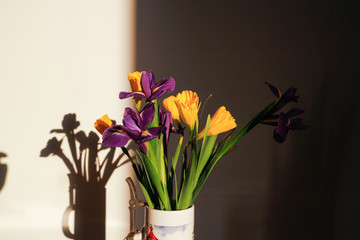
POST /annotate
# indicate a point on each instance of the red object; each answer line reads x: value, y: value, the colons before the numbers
x: 151, y: 235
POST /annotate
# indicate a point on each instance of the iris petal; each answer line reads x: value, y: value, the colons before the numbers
x: 147, y: 114
x: 161, y: 87
x: 124, y: 95
x: 275, y: 91
x: 115, y: 137
x: 149, y: 134
x: 146, y: 82
x: 143, y: 147
x: 166, y: 122
x: 282, y: 129
x: 131, y: 127
x: 294, y: 112
x: 297, y: 124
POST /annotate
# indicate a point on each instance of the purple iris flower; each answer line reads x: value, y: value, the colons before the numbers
x: 283, y: 99
x: 134, y: 128
x: 167, y: 123
x: 149, y: 88
x: 285, y: 124
x: 284, y: 121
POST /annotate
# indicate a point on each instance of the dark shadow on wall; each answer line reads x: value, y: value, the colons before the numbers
x: 230, y: 48
x: 3, y: 171
x: 316, y: 185
x: 88, y: 177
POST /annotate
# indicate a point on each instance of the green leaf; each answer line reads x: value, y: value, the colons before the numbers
x: 146, y: 195
x: 206, y: 149
x: 175, y: 158
x: 156, y: 181
x: 145, y: 180
x: 186, y: 195
x: 244, y: 130
x: 155, y: 121
x: 229, y: 145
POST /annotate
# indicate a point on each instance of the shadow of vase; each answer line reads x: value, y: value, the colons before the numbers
x: 3, y: 172
x: 88, y: 201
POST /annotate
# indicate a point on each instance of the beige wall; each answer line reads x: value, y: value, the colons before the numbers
x: 58, y: 57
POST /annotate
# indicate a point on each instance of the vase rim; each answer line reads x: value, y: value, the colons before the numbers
x: 170, y: 218
x: 187, y: 209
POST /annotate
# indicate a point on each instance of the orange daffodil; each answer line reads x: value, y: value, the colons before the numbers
x: 134, y: 80
x: 170, y: 105
x: 103, y: 123
x: 135, y: 83
x: 220, y: 122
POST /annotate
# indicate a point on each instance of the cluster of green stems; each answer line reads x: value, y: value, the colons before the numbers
x: 157, y: 175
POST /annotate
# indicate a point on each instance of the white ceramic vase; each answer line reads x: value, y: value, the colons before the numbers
x: 169, y: 225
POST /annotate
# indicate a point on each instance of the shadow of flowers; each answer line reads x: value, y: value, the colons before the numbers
x: 88, y: 176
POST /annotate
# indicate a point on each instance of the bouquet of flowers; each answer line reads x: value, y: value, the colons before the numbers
x: 150, y: 125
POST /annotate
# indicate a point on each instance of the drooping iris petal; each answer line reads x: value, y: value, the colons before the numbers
x: 147, y: 114
x: 115, y: 136
x: 147, y: 80
x: 276, y: 91
x: 283, y: 99
x: 130, y: 112
x: 289, y: 95
x: 124, y: 95
x: 161, y: 87
x: 188, y: 105
x: 169, y: 104
x: 135, y: 117
x: 103, y: 123
x: 294, y: 112
x: 143, y: 147
x: 132, y: 127
x: 149, y: 134
x: 165, y: 120
x: 297, y: 124
x: 220, y: 122
x: 282, y: 129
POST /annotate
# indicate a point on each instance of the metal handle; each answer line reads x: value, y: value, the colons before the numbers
x: 133, y: 202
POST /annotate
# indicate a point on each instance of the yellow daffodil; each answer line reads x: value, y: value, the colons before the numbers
x: 103, y: 123
x: 135, y: 83
x: 170, y: 105
x: 187, y: 103
x: 134, y: 79
x: 220, y: 122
